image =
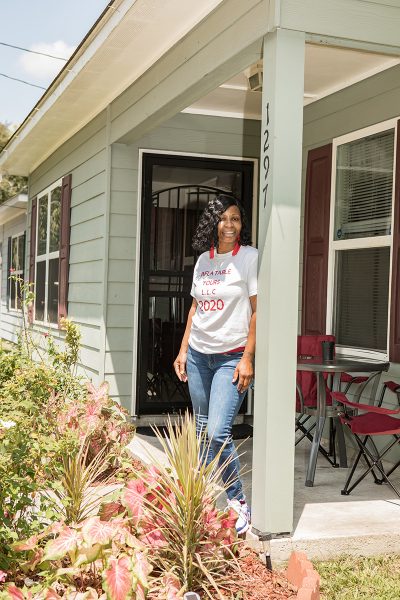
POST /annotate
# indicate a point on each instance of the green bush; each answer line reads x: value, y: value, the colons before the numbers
x: 24, y: 458
x: 45, y: 411
x: 29, y: 445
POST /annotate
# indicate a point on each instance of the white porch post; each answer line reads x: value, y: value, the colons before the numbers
x: 277, y: 307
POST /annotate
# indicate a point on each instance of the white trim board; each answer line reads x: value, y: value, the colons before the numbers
x: 136, y: 316
x: 378, y: 241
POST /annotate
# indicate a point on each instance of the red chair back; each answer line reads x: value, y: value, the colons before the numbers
x: 310, y: 346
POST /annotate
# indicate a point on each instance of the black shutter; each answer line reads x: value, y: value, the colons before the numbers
x: 23, y: 256
x: 63, y: 269
x: 8, y: 272
x: 32, y: 254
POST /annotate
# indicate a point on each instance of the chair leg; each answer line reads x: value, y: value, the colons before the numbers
x: 372, y: 462
x: 332, y: 441
x: 393, y: 469
x: 388, y: 473
x: 341, y: 444
x: 377, y: 480
x: 345, y: 491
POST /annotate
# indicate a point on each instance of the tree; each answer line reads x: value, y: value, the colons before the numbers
x: 10, y: 185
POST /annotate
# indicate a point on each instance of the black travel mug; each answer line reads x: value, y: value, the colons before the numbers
x: 328, y: 350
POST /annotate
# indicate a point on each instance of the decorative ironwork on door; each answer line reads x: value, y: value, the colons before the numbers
x: 170, y: 214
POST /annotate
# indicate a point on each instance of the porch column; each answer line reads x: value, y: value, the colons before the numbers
x: 278, y: 291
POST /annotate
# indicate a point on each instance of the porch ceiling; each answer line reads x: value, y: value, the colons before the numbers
x: 327, y: 70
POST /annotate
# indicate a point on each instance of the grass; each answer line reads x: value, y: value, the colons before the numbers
x: 353, y: 578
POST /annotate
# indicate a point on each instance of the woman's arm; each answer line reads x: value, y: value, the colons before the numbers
x: 180, y: 361
x: 244, y: 371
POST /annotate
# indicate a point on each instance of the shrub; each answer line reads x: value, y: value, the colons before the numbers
x: 161, y: 532
x: 45, y: 413
x: 173, y: 506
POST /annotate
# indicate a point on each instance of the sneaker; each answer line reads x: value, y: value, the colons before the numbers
x: 243, y: 512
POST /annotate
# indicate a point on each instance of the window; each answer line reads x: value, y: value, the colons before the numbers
x: 360, y: 246
x: 48, y: 254
x: 16, y: 262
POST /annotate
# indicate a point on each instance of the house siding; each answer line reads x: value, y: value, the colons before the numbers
x: 10, y: 320
x: 85, y: 157
x: 183, y: 133
x: 366, y: 103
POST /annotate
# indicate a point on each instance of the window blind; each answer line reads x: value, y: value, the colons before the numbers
x: 364, y: 185
x: 362, y: 296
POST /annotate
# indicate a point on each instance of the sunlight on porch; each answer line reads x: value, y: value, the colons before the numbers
x: 326, y: 524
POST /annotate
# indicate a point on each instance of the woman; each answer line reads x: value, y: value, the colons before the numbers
x: 217, y: 351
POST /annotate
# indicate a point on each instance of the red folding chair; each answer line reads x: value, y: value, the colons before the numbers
x: 309, y: 346
x: 374, y: 421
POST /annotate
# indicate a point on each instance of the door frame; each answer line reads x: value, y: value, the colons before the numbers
x: 137, y: 308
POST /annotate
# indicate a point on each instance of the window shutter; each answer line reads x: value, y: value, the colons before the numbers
x: 8, y: 271
x: 316, y: 240
x: 394, y: 336
x: 23, y: 256
x: 63, y: 270
x: 32, y: 254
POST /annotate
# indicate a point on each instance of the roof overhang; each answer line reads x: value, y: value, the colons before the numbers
x: 160, y: 46
x: 129, y: 37
x: 13, y: 207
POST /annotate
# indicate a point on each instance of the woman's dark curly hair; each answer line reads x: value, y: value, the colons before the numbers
x: 207, y: 229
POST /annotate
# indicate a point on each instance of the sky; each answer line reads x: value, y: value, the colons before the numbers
x: 52, y: 26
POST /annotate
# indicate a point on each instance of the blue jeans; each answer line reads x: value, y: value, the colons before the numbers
x: 216, y: 402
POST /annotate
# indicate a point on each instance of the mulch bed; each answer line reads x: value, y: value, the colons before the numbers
x: 258, y: 583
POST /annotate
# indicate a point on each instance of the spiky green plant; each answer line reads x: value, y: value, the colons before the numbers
x: 193, y: 543
x: 76, y: 476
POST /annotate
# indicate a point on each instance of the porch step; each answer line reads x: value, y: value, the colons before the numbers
x: 328, y: 530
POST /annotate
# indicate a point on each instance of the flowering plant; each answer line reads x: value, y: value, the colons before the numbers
x: 173, y: 507
x: 79, y: 559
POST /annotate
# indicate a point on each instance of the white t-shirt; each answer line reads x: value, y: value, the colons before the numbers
x: 222, y: 286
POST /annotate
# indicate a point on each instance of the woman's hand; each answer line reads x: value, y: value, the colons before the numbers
x: 180, y: 365
x: 244, y: 373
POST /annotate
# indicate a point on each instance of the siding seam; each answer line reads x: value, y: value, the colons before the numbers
x: 107, y: 210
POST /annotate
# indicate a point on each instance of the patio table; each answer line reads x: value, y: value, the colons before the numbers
x: 334, y: 368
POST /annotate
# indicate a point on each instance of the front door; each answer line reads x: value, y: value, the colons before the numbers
x: 175, y: 191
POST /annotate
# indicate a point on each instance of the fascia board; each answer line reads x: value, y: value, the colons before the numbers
x: 373, y: 23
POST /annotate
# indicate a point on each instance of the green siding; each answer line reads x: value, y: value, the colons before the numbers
x: 366, y: 103
x: 10, y: 320
x: 183, y: 133
x: 85, y: 156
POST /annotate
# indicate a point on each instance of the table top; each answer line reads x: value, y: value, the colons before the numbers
x: 350, y: 364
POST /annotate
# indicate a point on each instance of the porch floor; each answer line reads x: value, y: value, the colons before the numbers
x: 326, y: 524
